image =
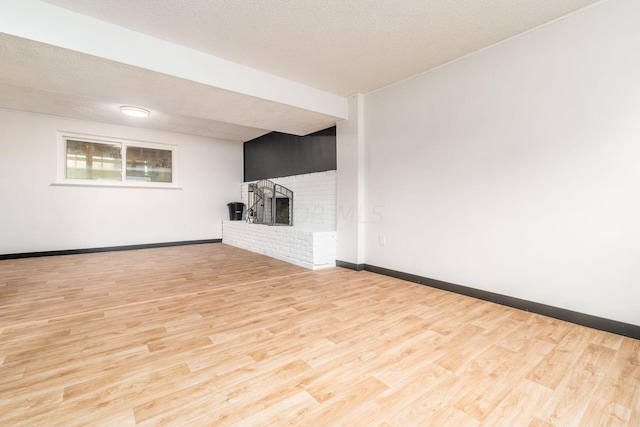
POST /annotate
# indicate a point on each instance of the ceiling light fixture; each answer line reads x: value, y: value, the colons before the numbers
x: 134, y: 111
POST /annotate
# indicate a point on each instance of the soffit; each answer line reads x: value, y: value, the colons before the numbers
x: 288, y: 64
x: 342, y: 47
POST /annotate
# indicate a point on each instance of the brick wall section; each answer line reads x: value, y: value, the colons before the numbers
x: 314, y: 199
x: 311, y: 242
x: 309, y: 249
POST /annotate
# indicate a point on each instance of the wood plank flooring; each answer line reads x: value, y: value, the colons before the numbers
x: 213, y: 335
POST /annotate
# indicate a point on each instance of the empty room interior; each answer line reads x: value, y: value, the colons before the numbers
x: 320, y: 213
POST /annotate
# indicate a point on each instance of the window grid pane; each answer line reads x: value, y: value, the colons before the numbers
x: 149, y: 164
x: 93, y: 161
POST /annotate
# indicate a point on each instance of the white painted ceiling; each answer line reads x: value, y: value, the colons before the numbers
x: 336, y: 47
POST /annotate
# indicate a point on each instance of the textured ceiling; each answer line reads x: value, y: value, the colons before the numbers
x: 339, y: 47
x: 43, y: 79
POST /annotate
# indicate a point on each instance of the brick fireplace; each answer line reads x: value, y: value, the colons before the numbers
x: 311, y: 241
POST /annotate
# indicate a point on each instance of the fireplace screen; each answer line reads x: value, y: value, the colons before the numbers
x: 270, y: 204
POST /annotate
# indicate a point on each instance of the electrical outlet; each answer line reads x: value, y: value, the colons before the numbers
x: 382, y: 240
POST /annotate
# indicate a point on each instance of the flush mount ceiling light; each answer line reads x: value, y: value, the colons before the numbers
x: 134, y: 111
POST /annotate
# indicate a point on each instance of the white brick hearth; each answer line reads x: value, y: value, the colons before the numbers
x: 311, y: 241
x: 310, y: 249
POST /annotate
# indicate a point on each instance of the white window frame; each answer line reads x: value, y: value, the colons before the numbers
x: 62, y: 179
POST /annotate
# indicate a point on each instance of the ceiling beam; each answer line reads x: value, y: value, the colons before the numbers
x: 53, y: 25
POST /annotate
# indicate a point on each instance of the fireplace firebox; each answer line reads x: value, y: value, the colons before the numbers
x: 270, y: 203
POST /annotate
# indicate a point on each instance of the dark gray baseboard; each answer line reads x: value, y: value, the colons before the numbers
x: 350, y: 265
x: 106, y: 249
x: 600, y: 323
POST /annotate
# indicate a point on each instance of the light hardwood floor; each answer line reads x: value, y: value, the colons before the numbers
x: 213, y: 335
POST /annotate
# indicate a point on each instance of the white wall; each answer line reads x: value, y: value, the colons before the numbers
x: 351, y: 179
x: 517, y: 170
x: 35, y: 216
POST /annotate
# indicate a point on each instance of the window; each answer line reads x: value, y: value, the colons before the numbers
x: 90, y: 160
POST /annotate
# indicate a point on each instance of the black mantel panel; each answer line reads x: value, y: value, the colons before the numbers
x: 279, y: 154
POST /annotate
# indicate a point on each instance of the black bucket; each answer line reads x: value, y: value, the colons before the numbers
x: 235, y: 211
